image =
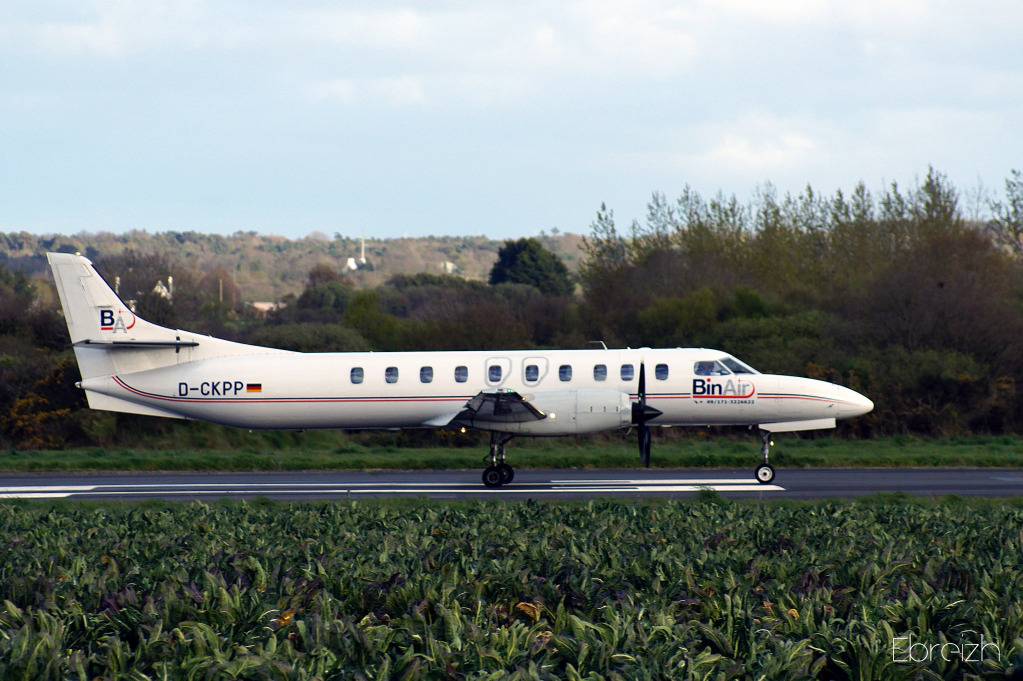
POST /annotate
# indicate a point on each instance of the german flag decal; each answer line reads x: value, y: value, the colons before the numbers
x: 253, y: 387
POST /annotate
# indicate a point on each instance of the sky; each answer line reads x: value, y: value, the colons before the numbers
x: 497, y: 118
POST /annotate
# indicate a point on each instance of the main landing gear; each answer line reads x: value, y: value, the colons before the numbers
x: 765, y: 472
x: 498, y: 472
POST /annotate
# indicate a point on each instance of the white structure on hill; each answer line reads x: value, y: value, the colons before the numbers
x: 360, y: 262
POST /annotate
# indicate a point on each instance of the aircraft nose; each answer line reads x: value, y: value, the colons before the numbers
x: 853, y: 404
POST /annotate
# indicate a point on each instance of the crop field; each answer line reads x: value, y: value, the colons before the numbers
x: 699, y: 589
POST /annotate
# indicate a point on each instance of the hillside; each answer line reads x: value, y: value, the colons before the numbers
x: 270, y: 267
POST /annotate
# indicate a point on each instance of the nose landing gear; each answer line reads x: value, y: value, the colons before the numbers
x: 499, y: 472
x: 765, y: 472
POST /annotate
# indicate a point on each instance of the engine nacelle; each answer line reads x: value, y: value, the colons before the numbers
x: 572, y: 412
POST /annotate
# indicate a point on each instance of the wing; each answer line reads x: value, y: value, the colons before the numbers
x: 491, y: 408
x: 500, y: 407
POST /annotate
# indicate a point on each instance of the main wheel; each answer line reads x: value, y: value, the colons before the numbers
x: 507, y: 473
x: 492, y: 476
x: 765, y: 473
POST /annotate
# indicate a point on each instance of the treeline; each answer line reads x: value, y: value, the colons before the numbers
x: 268, y: 267
x: 894, y: 293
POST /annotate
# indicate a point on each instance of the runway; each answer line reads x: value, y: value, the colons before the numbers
x: 528, y: 484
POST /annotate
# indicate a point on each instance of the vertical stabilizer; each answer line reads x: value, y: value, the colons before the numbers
x: 110, y: 339
x: 102, y: 327
x: 93, y: 311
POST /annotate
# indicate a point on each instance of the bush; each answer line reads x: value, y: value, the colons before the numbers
x: 310, y: 337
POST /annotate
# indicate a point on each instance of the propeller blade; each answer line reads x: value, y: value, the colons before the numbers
x: 641, y: 413
x: 642, y: 384
x: 644, y: 445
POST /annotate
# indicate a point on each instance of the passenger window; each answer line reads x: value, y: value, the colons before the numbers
x: 461, y: 374
x: 357, y: 375
x: 532, y: 373
x: 391, y: 374
x: 565, y: 372
x: 710, y: 368
x: 661, y: 372
x: 628, y: 372
x: 426, y: 375
x: 494, y: 373
x: 600, y: 372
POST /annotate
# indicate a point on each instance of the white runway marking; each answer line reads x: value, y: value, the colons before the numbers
x: 657, y: 481
x: 402, y: 488
x: 47, y: 488
x: 34, y: 495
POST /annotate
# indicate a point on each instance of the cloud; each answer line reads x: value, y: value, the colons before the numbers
x: 389, y: 28
x: 101, y: 38
x: 598, y: 99
x: 400, y: 91
x: 121, y: 28
x: 751, y: 146
x: 761, y: 152
x: 865, y: 15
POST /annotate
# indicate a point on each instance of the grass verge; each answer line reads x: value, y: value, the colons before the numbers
x: 675, y: 453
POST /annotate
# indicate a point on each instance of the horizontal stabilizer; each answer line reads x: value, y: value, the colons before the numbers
x: 138, y: 344
x: 108, y: 403
x: 794, y: 426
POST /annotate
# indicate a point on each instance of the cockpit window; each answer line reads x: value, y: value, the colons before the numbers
x: 736, y: 366
x: 710, y: 368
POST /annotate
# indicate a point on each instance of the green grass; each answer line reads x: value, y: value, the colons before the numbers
x: 729, y: 451
x: 699, y: 589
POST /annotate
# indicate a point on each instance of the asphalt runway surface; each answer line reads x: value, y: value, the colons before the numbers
x: 535, y: 483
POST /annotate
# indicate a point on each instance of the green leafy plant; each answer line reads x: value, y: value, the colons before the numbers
x: 686, y: 590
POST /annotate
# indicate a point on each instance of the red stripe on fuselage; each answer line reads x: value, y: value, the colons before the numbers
x: 296, y: 400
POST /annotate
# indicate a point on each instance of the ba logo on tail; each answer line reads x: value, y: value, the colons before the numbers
x: 109, y: 321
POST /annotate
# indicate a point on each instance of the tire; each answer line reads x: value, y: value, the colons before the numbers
x: 492, y: 476
x: 765, y: 474
x: 507, y: 473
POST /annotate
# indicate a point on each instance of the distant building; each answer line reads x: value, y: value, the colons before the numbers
x: 263, y: 308
x: 165, y: 292
x: 359, y: 263
x: 448, y: 267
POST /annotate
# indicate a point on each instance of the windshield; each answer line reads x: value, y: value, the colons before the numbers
x: 737, y: 367
x: 709, y: 368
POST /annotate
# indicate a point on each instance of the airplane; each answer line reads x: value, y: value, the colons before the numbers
x: 130, y: 365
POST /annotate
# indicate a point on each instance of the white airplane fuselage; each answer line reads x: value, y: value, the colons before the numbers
x: 131, y: 365
x: 299, y: 390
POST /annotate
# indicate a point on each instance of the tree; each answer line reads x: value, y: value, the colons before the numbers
x: 526, y: 261
x: 16, y: 296
x: 1006, y: 228
x: 327, y: 294
x: 320, y: 274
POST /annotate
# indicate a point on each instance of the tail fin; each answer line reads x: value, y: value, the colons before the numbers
x: 93, y: 311
x: 108, y: 337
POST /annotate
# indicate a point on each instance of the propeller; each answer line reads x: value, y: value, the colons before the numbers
x: 641, y: 413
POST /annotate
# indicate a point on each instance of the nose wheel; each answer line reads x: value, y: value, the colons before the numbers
x: 499, y: 472
x: 765, y: 472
